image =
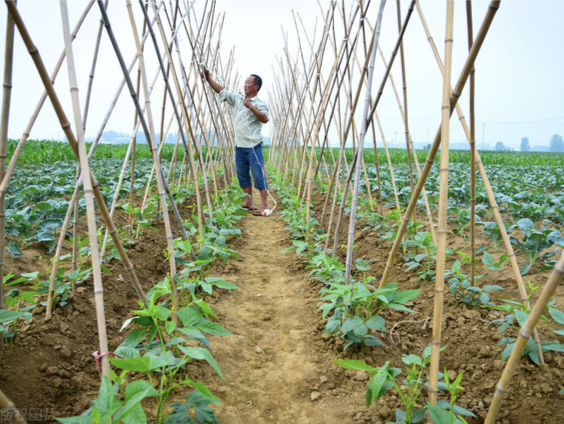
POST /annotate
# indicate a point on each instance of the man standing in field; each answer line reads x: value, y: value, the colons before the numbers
x: 250, y: 114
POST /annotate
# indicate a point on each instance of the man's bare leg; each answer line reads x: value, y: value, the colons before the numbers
x: 263, y: 198
x: 248, y: 201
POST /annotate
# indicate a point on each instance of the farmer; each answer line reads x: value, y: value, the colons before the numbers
x: 250, y: 113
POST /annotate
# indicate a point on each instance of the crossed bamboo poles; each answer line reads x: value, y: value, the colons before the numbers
x: 287, y: 141
x: 91, y: 187
x: 293, y: 117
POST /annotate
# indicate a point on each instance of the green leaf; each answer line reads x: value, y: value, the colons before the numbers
x: 189, y: 315
x: 439, y: 415
x: 557, y: 315
x: 212, y: 328
x: 205, y: 253
x: 106, y: 403
x: 134, y: 338
x: 203, y: 413
x: 353, y: 364
x: 75, y: 420
x: 377, y: 383
x: 487, y: 259
x: 170, y: 327
x: 492, y: 288
x: 205, y: 308
x: 201, y: 353
x: 222, y: 284
x: 162, y: 313
x: 132, y: 364
x: 399, y: 307
x: 377, y: 323
x: 201, y: 387
x: 412, y: 359
x: 526, y: 225
x: 135, y: 392
x: 135, y: 416
x: 457, y: 409
x: 6, y: 315
x: 521, y: 316
x: 355, y: 324
x: 174, y: 341
x: 405, y: 296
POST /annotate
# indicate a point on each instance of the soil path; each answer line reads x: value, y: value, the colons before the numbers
x: 271, y: 363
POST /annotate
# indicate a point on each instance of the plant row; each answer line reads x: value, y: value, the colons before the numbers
x: 355, y: 310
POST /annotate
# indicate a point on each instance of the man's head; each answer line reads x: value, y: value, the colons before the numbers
x: 253, y: 85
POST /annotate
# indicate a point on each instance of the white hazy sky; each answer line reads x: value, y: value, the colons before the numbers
x: 519, y: 89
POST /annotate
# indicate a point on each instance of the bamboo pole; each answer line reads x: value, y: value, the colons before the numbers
x: 35, y: 114
x: 93, y: 71
x: 88, y: 194
x: 10, y: 410
x: 443, y: 208
x: 183, y: 109
x: 417, y: 167
x: 405, y: 108
x: 511, y: 367
x: 488, y: 19
x: 490, y: 193
x: 390, y: 166
x: 472, y: 148
x: 118, y: 188
x: 65, y: 125
x: 360, y: 150
x: 84, y: 119
x: 150, y: 133
x: 4, y: 121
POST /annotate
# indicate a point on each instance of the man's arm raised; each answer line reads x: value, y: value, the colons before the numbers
x: 216, y: 87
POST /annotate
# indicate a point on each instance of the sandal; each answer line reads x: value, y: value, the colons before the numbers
x: 263, y: 213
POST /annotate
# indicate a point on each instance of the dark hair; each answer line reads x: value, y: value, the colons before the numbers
x: 258, y: 81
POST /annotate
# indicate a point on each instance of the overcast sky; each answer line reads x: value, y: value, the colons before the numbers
x: 519, y: 89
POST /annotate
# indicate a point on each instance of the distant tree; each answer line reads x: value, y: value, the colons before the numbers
x: 429, y: 146
x: 556, y: 143
x: 525, y: 146
x: 500, y: 146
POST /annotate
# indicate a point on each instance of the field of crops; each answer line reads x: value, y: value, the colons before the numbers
x: 150, y: 281
x: 529, y: 196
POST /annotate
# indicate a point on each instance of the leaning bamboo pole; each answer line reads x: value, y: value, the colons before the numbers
x: 184, y: 112
x: 9, y: 410
x: 150, y: 134
x: 390, y: 166
x: 374, y: 106
x: 35, y: 113
x: 405, y: 108
x: 4, y: 121
x: 443, y: 208
x: 88, y: 194
x: 511, y: 367
x: 84, y: 119
x: 360, y: 150
x: 65, y: 125
x: 491, y: 196
x: 417, y: 167
x: 93, y: 71
x: 118, y: 188
x: 455, y: 95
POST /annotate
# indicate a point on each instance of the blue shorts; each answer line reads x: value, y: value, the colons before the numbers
x: 250, y: 159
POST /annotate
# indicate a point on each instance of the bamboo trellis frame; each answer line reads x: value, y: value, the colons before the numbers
x: 303, y: 99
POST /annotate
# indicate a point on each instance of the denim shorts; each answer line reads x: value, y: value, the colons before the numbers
x: 250, y: 159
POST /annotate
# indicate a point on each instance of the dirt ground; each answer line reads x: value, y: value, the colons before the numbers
x: 277, y: 364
